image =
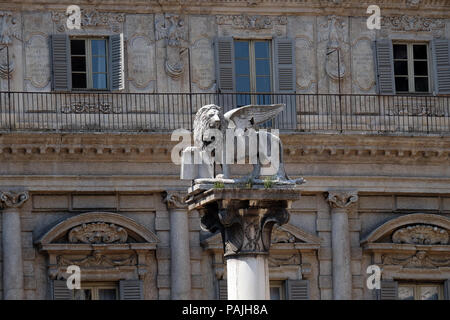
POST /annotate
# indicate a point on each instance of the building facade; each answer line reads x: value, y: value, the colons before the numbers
x: 87, y: 176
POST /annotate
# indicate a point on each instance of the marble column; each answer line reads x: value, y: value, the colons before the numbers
x: 180, y: 260
x: 12, y: 244
x: 341, y: 202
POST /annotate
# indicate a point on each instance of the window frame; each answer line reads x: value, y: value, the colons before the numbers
x: 95, y: 286
x: 410, y: 64
x: 252, y: 64
x: 89, y: 56
x: 418, y: 284
x: 281, y: 285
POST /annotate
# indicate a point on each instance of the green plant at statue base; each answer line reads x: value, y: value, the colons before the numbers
x: 219, y: 185
x: 268, y: 182
x: 249, y: 184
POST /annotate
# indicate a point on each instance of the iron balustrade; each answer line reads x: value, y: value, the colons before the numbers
x: 164, y: 112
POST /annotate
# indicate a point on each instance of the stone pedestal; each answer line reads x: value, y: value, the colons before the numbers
x: 245, y: 218
x: 12, y: 244
x: 341, y: 202
x: 180, y: 260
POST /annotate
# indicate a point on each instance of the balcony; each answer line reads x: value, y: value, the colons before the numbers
x: 161, y: 112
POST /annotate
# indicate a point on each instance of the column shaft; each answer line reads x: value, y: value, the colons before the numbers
x: 342, y: 277
x: 12, y: 255
x: 248, y: 277
x: 180, y: 255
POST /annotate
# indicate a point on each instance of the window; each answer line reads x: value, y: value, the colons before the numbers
x: 411, y: 67
x: 89, y: 63
x: 253, y: 70
x: 96, y: 291
x: 420, y: 291
x: 277, y: 290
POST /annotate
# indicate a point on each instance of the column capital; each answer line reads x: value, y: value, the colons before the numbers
x: 342, y: 199
x: 174, y: 199
x: 13, y: 199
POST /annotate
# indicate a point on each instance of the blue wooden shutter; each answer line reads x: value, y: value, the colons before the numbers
x: 60, y: 61
x: 447, y: 289
x: 60, y: 290
x: 285, y: 82
x: 385, y: 66
x: 297, y: 289
x: 441, y: 61
x: 117, y: 81
x: 130, y: 290
x: 388, y: 290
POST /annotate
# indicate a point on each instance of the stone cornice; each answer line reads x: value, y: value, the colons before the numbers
x: 299, y: 148
x: 312, y: 7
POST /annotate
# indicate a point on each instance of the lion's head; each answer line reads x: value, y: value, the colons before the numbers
x: 207, y: 117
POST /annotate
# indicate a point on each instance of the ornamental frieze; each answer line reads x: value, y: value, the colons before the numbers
x: 98, y: 232
x: 421, y: 234
x: 97, y: 259
x: 281, y: 236
x: 405, y: 23
x: 91, y: 18
x: 254, y: 22
x: 419, y: 260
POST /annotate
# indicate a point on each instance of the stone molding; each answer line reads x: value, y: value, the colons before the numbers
x: 420, y: 259
x: 407, y: 23
x: 91, y: 18
x: 13, y: 199
x: 175, y: 200
x: 421, y: 234
x: 251, y: 22
x: 98, y: 232
x: 298, y: 147
x: 342, y: 199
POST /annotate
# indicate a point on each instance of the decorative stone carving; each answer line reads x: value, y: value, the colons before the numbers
x: 283, y: 260
x: 98, y: 232
x: 362, y: 68
x: 342, y: 199
x: 334, y: 31
x: 13, y: 200
x: 9, y: 27
x: 421, y: 234
x: 91, y: 18
x: 141, y: 58
x: 175, y: 199
x: 417, y: 108
x: 281, y: 236
x: 97, y: 259
x: 37, y: 60
x: 86, y: 107
x: 420, y: 259
x: 405, y: 23
x: 4, y: 70
x: 305, y: 62
x: 246, y: 226
x: 413, y: 3
x: 172, y: 29
x: 202, y: 56
x: 255, y: 22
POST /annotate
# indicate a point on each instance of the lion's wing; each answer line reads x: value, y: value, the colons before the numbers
x: 251, y: 115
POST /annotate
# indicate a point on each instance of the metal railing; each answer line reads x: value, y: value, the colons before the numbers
x: 162, y: 112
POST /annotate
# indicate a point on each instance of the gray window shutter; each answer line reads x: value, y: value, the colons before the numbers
x: 388, y: 291
x: 447, y: 289
x: 385, y: 66
x: 60, y: 290
x: 222, y: 292
x: 60, y: 60
x: 284, y: 60
x: 224, y: 55
x: 297, y: 289
x: 116, y: 62
x: 285, y: 82
x: 130, y: 290
x: 441, y: 59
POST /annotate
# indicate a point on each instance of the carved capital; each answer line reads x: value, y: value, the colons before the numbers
x: 246, y: 226
x: 342, y: 199
x: 175, y: 200
x: 13, y: 199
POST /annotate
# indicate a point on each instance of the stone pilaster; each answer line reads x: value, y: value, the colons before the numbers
x: 341, y: 202
x: 180, y: 260
x: 12, y: 244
